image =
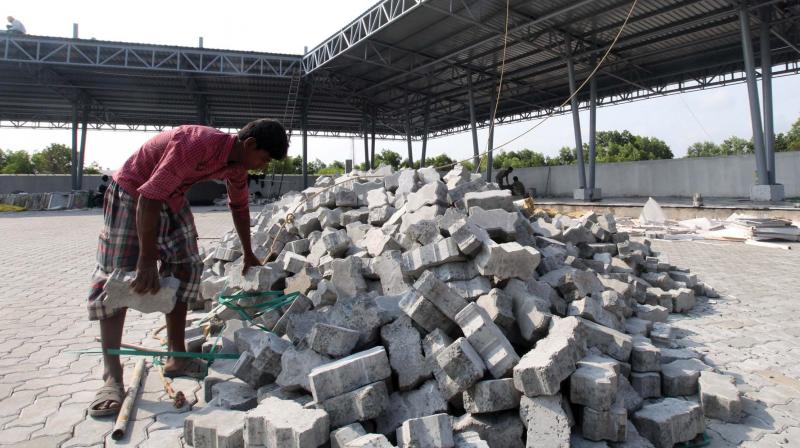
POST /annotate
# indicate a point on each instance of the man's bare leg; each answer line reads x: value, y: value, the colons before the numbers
x: 176, y: 332
x: 111, y: 334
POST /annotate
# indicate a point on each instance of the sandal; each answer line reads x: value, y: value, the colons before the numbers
x: 193, y: 368
x: 109, y: 392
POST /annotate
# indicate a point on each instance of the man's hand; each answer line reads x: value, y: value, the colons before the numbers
x: 250, y: 260
x: 147, y: 278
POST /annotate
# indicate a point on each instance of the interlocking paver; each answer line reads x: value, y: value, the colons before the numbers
x: 750, y: 333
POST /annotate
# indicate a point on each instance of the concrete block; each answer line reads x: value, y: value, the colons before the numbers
x: 355, y: 216
x: 349, y: 373
x: 245, y: 371
x: 345, y: 197
x: 646, y: 384
x: 591, y: 308
x: 471, y: 289
x: 227, y: 253
x: 455, y: 271
x: 296, y: 364
x: 266, y: 348
x: 503, y: 429
x: 378, y: 216
x: 363, y: 188
x: 294, y: 263
x: 300, y: 305
x: 638, y: 327
x: 469, y: 439
x: 423, y: 214
x: 486, y: 338
x: 424, y: 232
x: 499, y: 306
x: 425, y: 313
x: 407, y: 182
x: 719, y: 397
x: 680, y: 378
x: 499, y: 223
x: 330, y: 218
x: 362, y: 404
x: 332, y: 340
x: 577, y: 234
x: 376, y: 242
x: 507, y: 260
x: 610, y: 424
x: 423, y: 401
x: 307, y: 223
x: 377, y: 198
x: 578, y: 284
x: 370, y: 441
x: 594, y: 385
x: 257, y: 278
x: 491, y: 396
x: 541, y: 370
x: 418, y: 260
x: 120, y: 295
x: 340, y: 437
x: 683, y: 300
x: 430, y: 431
x: 456, y: 194
x: 669, y: 421
x: 458, y: 175
x: 653, y: 313
x: 389, y: 268
x: 404, y: 345
x: 234, y: 395
x: 215, y: 428
x: 767, y: 193
x: 428, y: 174
x: 447, y: 300
x: 324, y: 295
x: 277, y: 423
x: 662, y: 334
x: 461, y: 363
x: 531, y: 310
x: 490, y: 200
x: 645, y: 357
x: 429, y: 194
x: 614, y: 343
x: 468, y: 236
x: 336, y: 243
x: 347, y: 277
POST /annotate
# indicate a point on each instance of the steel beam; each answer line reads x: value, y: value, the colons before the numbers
x: 476, y: 159
x: 576, y: 119
x: 592, y: 131
x: 766, y: 91
x: 752, y: 93
x: 74, y: 158
x: 490, y: 140
x: 372, y: 158
x: 82, y: 158
x: 304, y: 126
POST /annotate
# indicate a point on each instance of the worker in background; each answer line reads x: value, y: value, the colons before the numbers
x: 502, y: 178
x: 15, y: 26
x: 148, y: 228
x: 517, y: 188
x: 97, y: 198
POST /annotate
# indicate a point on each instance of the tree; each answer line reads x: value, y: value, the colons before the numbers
x: 2, y: 159
x: 388, y: 157
x: 736, y: 146
x: 440, y: 160
x: 518, y: 159
x: 18, y: 162
x: 336, y: 167
x: 315, y: 166
x: 789, y: 141
x: 566, y: 156
x: 615, y: 146
x: 703, y: 149
x: 54, y: 159
x: 93, y: 168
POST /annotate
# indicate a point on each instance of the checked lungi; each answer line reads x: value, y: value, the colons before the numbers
x: 118, y: 248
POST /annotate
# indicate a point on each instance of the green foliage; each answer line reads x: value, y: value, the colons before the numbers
x: 388, y: 157
x: 615, y: 146
x: 703, y: 149
x: 315, y: 165
x: 93, y: 168
x: 18, y: 162
x: 518, y: 159
x: 336, y: 167
x: 440, y: 160
x: 54, y: 159
x: 790, y: 141
x: 733, y: 146
x: 2, y: 159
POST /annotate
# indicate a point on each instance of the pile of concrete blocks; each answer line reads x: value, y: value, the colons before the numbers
x: 433, y: 311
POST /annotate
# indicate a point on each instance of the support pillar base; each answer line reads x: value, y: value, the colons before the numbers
x: 587, y: 194
x: 767, y: 193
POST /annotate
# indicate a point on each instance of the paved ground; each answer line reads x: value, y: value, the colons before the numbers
x: 44, y: 386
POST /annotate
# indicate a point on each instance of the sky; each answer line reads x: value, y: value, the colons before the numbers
x: 289, y: 26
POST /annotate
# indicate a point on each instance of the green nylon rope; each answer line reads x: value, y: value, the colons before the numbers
x: 280, y: 301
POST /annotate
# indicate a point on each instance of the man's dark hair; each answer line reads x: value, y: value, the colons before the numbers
x: 105, y: 178
x: 516, y: 178
x: 270, y: 136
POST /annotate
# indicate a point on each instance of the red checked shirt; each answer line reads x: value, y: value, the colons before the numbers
x: 168, y: 164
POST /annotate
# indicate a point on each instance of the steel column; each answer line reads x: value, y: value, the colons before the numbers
x: 425, y: 133
x: 476, y: 160
x: 766, y: 92
x: 366, y: 145
x: 304, y: 126
x: 74, y: 158
x: 372, y: 158
x: 82, y: 157
x: 752, y: 92
x: 490, y: 142
x: 576, y: 120
x: 592, y: 130
x: 408, y: 140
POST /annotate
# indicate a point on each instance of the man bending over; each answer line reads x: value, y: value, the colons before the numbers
x: 148, y: 228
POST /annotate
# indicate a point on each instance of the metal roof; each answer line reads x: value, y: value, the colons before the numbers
x: 400, y: 61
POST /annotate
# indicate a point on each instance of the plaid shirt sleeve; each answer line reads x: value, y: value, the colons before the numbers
x: 175, y: 165
x: 238, y: 195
